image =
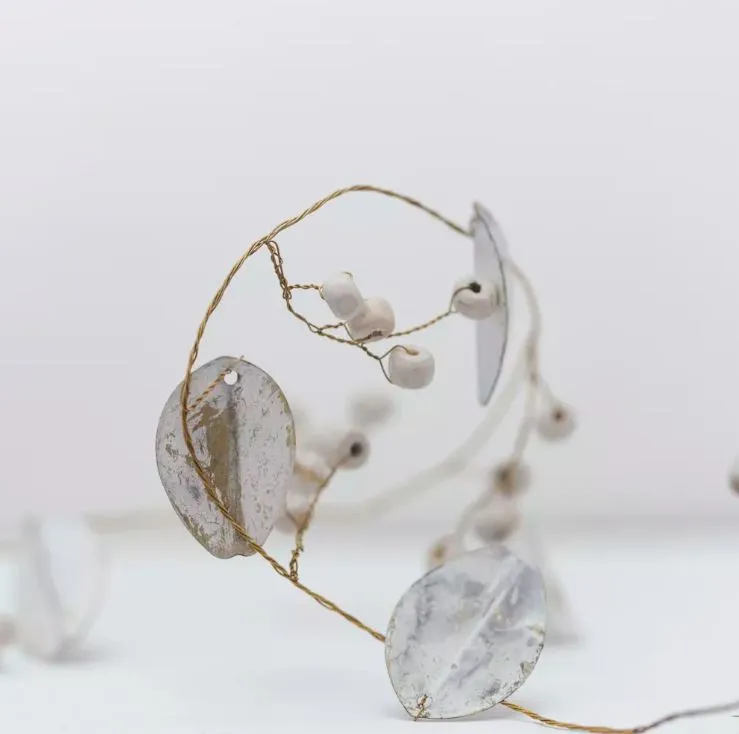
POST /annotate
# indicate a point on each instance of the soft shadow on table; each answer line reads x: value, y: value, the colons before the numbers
x: 92, y: 653
x: 312, y: 685
x: 564, y: 640
x: 497, y: 713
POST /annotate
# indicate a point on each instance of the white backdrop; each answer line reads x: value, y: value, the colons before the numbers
x: 143, y: 145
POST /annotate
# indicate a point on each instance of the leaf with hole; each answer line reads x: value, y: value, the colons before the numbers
x: 244, y: 437
x: 466, y: 635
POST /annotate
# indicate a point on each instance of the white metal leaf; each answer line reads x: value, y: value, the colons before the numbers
x: 59, y: 585
x: 466, y: 635
x: 490, y: 246
x: 244, y: 437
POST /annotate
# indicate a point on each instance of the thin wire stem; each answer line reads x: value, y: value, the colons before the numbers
x: 305, y: 523
x: 421, y: 327
x: 279, y: 268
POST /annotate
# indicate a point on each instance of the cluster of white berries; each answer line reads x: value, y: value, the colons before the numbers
x: 412, y: 367
x: 371, y: 319
x: 499, y: 515
x: 314, y: 463
x: 495, y: 524
x: 367, y: 319
x: 320, y: 452
x: 310, y: 471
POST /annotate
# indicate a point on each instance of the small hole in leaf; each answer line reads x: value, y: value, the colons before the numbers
x: 231, y: 378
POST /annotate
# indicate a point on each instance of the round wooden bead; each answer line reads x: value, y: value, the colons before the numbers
x: 475, y: 298
x: 411, y: 367
x: 443, y: 550
x: 375, y: 321
x: 7, y: 631
x: 342, y: 296
x: 734, y: 476
x: 311, y: 469
x: 344, y: 448
x: 352, y: 450
x: 498, y: 520
x: 511, y: 478
x: 556, y: 423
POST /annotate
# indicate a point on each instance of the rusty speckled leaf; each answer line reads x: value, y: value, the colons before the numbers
x: 244, y: 437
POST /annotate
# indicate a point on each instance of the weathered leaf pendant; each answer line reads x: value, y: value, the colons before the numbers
x: 244, y: 437
x: 466, y: 635
x: 492, y: 333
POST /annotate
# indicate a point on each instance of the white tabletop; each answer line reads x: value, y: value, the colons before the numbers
x: 187, y: 644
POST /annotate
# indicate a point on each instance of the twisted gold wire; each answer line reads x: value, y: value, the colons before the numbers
x: 212, y: 492
x: 421, y: 327
x: 209, y: 388
x: 287, y: 288
x: 431, y: 322
x: 305, y: 523
x: 689, y: 714
x: 328, y: 327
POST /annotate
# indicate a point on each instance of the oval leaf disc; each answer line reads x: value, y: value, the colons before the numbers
x: 244, y: 437
x: 490, y: 247
x: 466, y: 635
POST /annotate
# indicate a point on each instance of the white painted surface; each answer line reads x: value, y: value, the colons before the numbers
x: 163, y: 659
x: 145, y: 144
